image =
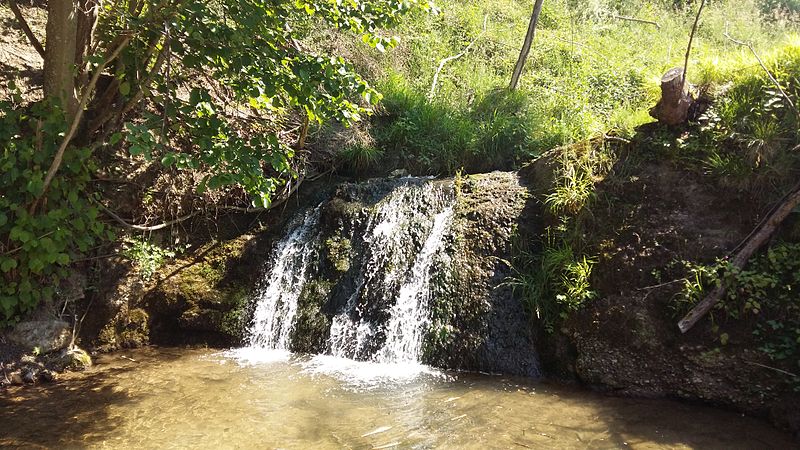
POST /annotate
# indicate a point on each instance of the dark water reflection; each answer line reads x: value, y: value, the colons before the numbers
x: 177, y: 398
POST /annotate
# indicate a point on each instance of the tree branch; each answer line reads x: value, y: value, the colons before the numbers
x: 689, y: 47
x: 634, y: 19
x: 432, y: 93
x: 59, y: 157
x: 760, y: 238
x: 160, y: 226
x: 25, y: 28
x: 766, y: 70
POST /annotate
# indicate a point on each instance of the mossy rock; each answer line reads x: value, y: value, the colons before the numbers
x: 312, y: 326
x: 70, y: 359
x: 339, y: 251
x: 127, y: 330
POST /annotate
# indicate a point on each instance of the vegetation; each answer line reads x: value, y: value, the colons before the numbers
x: 199, y: 86
x: 588, y: 72
x: 763, y: 296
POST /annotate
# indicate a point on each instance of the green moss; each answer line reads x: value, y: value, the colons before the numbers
x: 234, y: 322
x: 311, y: 324
x: 339, y: 251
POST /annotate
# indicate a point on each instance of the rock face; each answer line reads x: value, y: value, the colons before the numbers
x: 474, y: 321
x: 478, y: 324
x: 45, y: 335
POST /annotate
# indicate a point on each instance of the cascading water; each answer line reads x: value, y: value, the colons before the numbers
x: 386, y: 315
x: 276, y: 304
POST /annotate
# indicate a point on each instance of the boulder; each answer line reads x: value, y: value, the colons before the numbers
x: 71, y: 359
x: 45, y: 335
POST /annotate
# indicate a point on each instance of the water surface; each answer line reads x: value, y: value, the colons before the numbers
x: 179, y: 398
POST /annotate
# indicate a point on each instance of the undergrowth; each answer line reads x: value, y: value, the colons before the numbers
x: 553, y: 277
x: 764, y: 296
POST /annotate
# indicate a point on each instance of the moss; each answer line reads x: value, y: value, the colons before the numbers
x: 339, y: 252
x: 128, y: 330
x: 311, y: 324
x: 136, y: 333
x: 234, y: 322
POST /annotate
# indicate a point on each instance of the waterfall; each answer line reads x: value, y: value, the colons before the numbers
x: 386, y: 313
x: 409, y: 318
x: 276, y: 302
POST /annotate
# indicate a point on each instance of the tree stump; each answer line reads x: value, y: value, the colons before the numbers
x: 673, y: 108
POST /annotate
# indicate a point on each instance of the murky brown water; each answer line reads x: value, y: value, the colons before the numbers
x: 177, y: 398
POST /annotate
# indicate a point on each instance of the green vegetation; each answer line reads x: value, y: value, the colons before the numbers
x: 763, y: 296
x: 146, y: 256
x: 588, y: 72
x: 202, y: 87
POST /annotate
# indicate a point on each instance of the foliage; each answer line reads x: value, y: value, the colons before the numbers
x: 554, y: 282
x: 587, y: 73
x: 202, y: 86
x: 37, y: 247
x: 249, y: 52
x: 147, y: 256
x: 764, y: 296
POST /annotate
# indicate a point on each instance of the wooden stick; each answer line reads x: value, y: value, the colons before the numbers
x: 741, y: 258
x: 432, y: 93
x: 160, y: 226
x: 769, y: 74
x: 634, y: 19
x: 25, y: 28
x: 691, y: 38
x: 526, y: 45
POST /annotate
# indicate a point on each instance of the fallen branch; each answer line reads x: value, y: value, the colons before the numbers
x: 689, y: 47
x: 793, y: 375
x: 25, y: 28
x: 160, y: 226
x: 442, y: 63
x: 766, y: 70
x: 741, y: 258
x: 634, y: 19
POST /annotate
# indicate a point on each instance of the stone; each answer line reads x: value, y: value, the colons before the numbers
x: 197, y: 319
x: 29, y: 375
x: 71, y: 359
x: 45, y: 335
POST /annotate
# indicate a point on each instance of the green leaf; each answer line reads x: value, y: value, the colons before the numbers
x: 7, y: 264
x: 125, y: 89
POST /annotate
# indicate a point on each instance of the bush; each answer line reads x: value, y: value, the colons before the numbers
x: 37, y: 245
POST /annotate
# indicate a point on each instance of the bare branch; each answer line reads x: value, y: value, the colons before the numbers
x: 766, y: 70
x: 635, y: 19
x: 25, y: 28
x: 432, y: 93
x: 691, y: 38
x: 160, y: 226
x: 760, y: 238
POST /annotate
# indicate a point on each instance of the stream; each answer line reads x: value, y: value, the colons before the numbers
x: 201, y: 398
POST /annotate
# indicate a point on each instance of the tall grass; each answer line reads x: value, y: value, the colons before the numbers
x: 588, y: 72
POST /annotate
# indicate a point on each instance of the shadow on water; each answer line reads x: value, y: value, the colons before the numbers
x: 74, y: 411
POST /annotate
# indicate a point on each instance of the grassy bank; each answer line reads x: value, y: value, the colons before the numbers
x: 590, y: 71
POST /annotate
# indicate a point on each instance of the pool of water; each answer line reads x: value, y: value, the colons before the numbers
x: 197, y: 398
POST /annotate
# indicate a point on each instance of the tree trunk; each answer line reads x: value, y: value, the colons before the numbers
x: 60, y: 50
x: 526, y: 46
x: 673, y: 108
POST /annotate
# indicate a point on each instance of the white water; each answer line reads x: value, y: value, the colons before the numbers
x: 409, y: 316
x: 276, y: 305
x: 403, y: 242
